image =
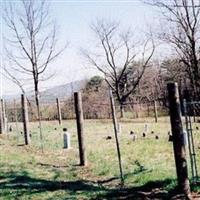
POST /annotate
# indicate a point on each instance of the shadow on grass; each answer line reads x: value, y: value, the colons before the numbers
x: 150, y: 190
x: 49, y: 165
x: 21, y: 145
x: 22, y: 184
x: 15, y: 184
x: 24, y: 181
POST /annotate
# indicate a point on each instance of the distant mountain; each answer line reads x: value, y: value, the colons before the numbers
x: 61, y: 91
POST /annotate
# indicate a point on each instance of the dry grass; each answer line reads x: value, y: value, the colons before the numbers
x: 27, y: 173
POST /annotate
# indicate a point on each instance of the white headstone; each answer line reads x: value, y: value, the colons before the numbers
x: 66, y: 140
x: 185, y: 137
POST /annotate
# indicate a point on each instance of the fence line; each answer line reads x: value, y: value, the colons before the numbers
x: 92, y: 110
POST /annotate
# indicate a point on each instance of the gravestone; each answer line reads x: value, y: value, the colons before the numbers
x: 66, y: 139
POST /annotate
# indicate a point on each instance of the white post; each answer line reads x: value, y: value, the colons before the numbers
x: 66, y: 139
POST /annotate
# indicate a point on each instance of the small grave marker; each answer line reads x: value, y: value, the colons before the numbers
x: 66, y: 139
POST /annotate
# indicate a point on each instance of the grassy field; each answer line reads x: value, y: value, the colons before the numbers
x: 148, y: 164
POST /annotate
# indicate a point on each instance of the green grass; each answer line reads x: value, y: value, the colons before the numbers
x: 27, y: 173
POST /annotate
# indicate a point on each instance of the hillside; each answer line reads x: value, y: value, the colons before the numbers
x: 61, y: 91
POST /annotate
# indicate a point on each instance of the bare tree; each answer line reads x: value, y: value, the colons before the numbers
x: 150, y: 87
x: 8, y: 75
x: 31, y: 45
x: 183, y: 33
x: 116, y: 59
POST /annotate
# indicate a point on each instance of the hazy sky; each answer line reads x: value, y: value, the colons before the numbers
x: 73, y: 19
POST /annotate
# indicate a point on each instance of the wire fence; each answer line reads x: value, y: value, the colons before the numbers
x: 192, y: 121
x: 92, y: 110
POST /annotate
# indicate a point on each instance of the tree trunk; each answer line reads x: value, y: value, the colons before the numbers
x: 38, y: 113
x: 195, y: 71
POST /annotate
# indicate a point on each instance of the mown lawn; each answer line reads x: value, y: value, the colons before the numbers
x: 148, y: 164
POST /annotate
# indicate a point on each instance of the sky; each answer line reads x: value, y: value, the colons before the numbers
x: 73, y: 19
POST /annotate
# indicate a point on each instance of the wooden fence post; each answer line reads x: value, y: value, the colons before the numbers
x: 3, y: 115
x: 155, y: 112
x: 80, y: 131
x: 59, y: 111
x: 116, y: 136
x: 1, y: 119
x: 16, y: 118
x: 25, y: 119
x: 136, y: 111
x: 178, y: 138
